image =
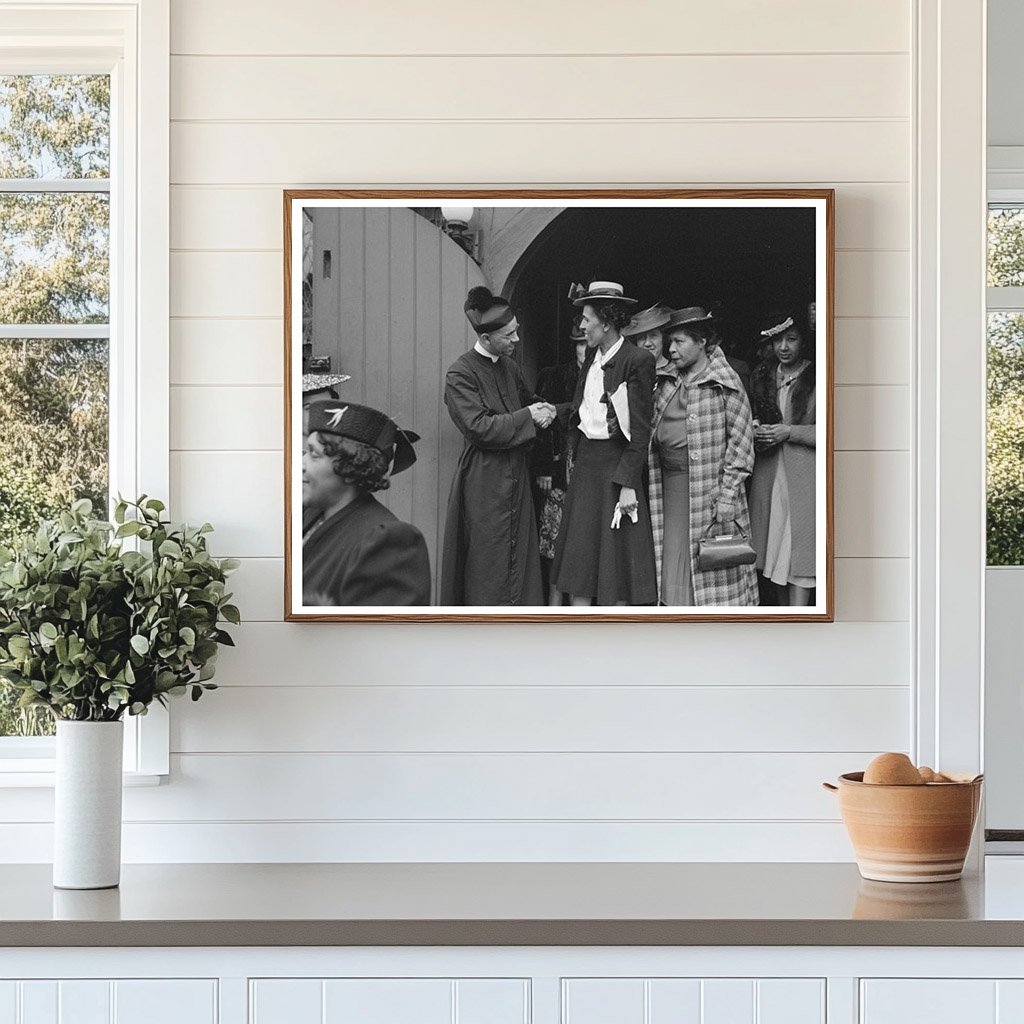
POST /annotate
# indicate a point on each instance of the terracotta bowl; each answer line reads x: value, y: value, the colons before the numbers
x: 909, y: 833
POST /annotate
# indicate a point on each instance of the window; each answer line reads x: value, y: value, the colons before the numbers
x: 1005, y: 498
x: 84, y: 123
x: 54, y: 309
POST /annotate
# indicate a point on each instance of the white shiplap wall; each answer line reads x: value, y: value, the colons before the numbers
x: 673, y: 741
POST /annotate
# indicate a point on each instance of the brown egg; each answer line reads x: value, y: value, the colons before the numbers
x: 892, y: 770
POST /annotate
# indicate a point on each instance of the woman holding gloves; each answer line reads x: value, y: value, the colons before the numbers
x: 605, y: 552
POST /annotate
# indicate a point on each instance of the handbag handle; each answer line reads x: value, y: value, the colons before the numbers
x: 714, y: 523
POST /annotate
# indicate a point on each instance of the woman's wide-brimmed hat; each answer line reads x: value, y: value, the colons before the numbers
x: 686, y: 315
x: 366, y: 425
x: 773, y: 325
x: 313, y: 383
x: 649, y: 319
x: 597, y: 291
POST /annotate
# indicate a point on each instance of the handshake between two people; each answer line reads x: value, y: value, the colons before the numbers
x: 543, y: 414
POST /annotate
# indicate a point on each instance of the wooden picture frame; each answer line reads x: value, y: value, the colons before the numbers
x: 374, y: 286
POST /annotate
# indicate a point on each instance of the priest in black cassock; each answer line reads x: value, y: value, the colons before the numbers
x: 491, y: 555
x: 355, y: 552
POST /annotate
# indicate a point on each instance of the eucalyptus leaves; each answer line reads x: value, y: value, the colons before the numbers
x: 91, y: 630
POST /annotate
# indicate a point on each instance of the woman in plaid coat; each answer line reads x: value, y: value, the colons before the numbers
x: 701, y: 453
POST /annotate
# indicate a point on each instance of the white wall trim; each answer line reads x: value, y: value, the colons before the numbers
x: 131, y: 41
x: 949, y: 450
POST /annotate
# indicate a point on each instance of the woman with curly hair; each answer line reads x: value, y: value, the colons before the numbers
x: 782, y: 493
x: 354, y: 550
x: 604, y: 553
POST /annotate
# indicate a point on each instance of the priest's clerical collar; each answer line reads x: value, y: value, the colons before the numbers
x: 490, y: 355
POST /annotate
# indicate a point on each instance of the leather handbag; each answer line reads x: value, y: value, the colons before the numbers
x: 724, y: 551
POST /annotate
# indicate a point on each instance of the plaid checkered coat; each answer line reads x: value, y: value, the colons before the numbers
x: 720, y: 435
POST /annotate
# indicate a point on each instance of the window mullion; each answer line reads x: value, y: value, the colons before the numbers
x: 1005, y: 299
x: 54, y: 185
x: 63, y: 332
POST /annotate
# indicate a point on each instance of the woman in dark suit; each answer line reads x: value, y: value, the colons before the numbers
x: 354, y: 550
x: 605, y: 549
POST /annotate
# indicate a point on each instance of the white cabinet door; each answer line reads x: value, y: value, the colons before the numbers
x: 693, y: 1001
x: 389, y: 1001
x: 144, y: 1001
x: 8, y: 1002
x: 930, y: 1001
x: 942, y: 1001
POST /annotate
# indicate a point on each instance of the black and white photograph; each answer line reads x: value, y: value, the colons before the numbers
x: 533, y: 405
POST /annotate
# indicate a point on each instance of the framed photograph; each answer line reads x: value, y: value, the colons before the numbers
x: 563, y: 405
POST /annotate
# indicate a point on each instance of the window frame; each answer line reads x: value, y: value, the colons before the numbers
x: 130, y: 41
x: 1004, y: 298
x: 1002, y: 711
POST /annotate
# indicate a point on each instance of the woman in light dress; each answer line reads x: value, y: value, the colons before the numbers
x: 782, y: 494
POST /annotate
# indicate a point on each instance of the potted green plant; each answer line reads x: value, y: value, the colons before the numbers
x: 99, y: 620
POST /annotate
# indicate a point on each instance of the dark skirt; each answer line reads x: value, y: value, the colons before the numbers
x: 591, y: 559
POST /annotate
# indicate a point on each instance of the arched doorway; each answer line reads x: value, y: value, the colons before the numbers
x: 740, y: 261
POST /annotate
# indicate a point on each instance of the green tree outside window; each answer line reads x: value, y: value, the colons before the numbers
x: 54, y: 278
x: 1005, y: 483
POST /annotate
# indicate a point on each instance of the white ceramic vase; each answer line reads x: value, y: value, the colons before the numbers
x: 87, y: 805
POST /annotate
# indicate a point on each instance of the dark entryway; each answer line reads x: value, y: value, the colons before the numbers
x: 741, y: 262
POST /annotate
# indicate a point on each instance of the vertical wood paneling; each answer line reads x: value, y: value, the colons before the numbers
x: 936, y: 1001
x: 326, y: 326
x: 150, y: 1001
x: 790, y: 1001
x: 401, y: 352
x: 85, y: 1002
x: 673, y: 1001
x: 1009, y: 1002
x: 388, y: 1001
x: 727, y: 1001
x: 376, y: 268
x: 427, y: 492
x: 455, y: 282
x: 8, y: 1002
x: 286, y: 1001
x: 842, y: 1000
x: 400, y: 284
x: 492, y: 1001
x: 39, y: 1002
x: 603, y: 1001
x: 350, y: 272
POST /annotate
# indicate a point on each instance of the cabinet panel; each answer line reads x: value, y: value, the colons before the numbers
x: 932, y: 1000
x: 8, y: 1002
x: 38, y: 1002
x: 674, y: 1001
x: 1009, y: 1002
x: 387, y: 1001
x: 693, y: 1001
x: 165, y: 1002
x: 84, y: 1002
x: 285, y: 1001
x: 492, y: 1002
x: 603, y: 1001
x: 791, y: 1001
x: 727, y: 1001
